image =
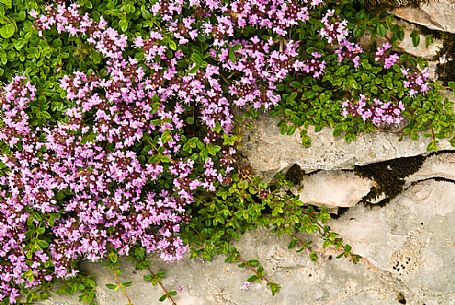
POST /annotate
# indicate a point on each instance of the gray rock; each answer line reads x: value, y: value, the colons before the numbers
x: 269, y: 152
x: 439, y: 166
x: 406, y: 45
x: 412, y: 238
x: 437, y: 15
x: 334, y: 189
x: 408, y: 248
x: 421, y: 50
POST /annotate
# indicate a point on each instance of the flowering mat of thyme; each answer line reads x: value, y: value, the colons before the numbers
x: 118, y: 136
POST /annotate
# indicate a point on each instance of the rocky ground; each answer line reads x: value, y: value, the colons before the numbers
x: 408, y: 247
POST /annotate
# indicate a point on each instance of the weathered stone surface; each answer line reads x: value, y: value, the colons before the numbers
x: 421, y: 50
x: 439, y: 166
x: 334, y: 189
x: 406, y: 44
x: 269, y: 152
x: 408, y: 246
x: 437, y: 15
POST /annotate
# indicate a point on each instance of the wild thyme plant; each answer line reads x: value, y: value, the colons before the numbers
x: 129, y: 149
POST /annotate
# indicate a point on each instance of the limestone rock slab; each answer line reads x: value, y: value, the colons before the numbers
x: 421, y: 50
x: 269, y: 152
x: 334, y: 189
x: 439, y: 166
x: 437, y: 15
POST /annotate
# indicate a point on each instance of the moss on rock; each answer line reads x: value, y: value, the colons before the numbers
x: 389, y: 176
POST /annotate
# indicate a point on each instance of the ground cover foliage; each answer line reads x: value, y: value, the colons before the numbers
x: 118, y: 138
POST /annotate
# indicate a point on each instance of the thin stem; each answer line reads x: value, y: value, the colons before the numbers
x: 396, y: 100
x: 324, y: 252
x: 262, y: 277
x: 119, y: 283
x: 162, y: 286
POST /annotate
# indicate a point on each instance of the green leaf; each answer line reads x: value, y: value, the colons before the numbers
x: 292, y: 244
x: 400, y: 34
x: 88, y: 5
x: 433, y: 146
x: 7, y: 30
x: 19, y: 44
x: 381, y: 29
x: 452, y: 142
x: 123, y: 25
x: 43, y: 243
x: 3, y: 57
x: 274, y: 287
x: 288, y: 112
x: 428, y: 40
x: 112, y: 257
x: 291, y: 130
x: 253, y: 278
x: 111, y: 286
x: 161, y: 275
x: 148, y: 278
x: 196, y: 56
x: 313, y: 256
x: 232, y: 56
x: 21, y: 16
x: 253, y: 262
x: 163, y: 297
x: 190, y: 120
x: 172, y: 45
x: 173, y: 293
x: 358, y: 32
x: 366, y: 65
x: 7, y: 3
x: 236, y: 47
x: 415, y: 38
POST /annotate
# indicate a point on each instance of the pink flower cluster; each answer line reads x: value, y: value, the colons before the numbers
x: 260, y: 63
x: 416, y: 81
x: 383, y: 55
x: 349, y: 51
x: 334, y: 30
x: 378, y: 112
x: 259, y: 68
x: 15, y: 201
x: 314, y: 66
x: 88, y: 170
x: 276, y: 16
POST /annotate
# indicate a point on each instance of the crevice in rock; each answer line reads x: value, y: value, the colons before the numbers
x: 446, y: 70
x: 341, y: 211
x: 430, y: 178
x: 389, y: 176
x: 390, y: 179
x: 314, y: 172
x: 295, y: 174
